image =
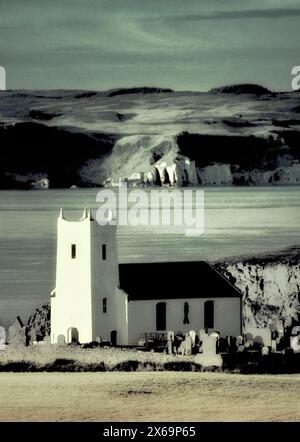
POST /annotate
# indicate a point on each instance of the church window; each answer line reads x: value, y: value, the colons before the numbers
x: 73, y: 251
x: 209, y: 314
x: 161, y: 316
x: 104, y: 305
x: 104, y: 252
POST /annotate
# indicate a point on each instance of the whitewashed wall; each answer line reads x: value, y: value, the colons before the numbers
x: 142, y: 316
x: 71, y: 306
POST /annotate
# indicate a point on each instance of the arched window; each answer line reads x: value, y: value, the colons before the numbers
x: 209, y: 314
x: 161, y: 316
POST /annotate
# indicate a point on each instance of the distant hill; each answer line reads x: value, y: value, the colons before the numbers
x: 246, y: 88
x: 149, y: 136
x: 138, y: 90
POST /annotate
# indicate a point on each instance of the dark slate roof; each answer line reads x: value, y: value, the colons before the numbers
x: 174, y: 280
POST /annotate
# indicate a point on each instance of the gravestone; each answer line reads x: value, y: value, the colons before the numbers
x: 185, y: 347
x: 188, y: 345
x: 192, y: 334
x: 240, y: 344
x: 2, y: 338
x: 261, y: 336
x: 32, y: 336
x: 295, y: 339
x: 47, y: 340
x: 171, y: 337
x: 209, y: 344
x: 17, y: 335
x: 61, y: 340
x: 239, y: 340
x: 209, y: 356
x: 280, y: 334
x: 202, y: 333
x: 222, y: 345
x: 248, y: 340
x: 273, y: 346
x: 265, y: 350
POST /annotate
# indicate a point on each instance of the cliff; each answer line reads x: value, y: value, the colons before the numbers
x: 236, y: 135
x: 270, y: 286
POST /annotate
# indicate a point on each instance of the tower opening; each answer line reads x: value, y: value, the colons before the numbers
x: 104, y: 252
x: 104, y: 305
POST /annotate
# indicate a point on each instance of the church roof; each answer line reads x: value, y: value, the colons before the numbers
x: 174, y: 280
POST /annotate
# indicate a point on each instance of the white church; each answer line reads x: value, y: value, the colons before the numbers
x: 95, y: 296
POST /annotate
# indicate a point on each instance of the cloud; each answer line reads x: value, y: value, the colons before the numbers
x: 234, y: 15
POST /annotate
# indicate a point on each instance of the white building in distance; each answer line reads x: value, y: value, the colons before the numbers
x: 95, y: 296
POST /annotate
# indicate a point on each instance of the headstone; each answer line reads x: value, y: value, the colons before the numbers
x: 188, y: 345
x: 239, y: 340
x: 32, y: 336
x: 295, y: 339
x: 241, y: 348
x: 178, y: 339
x: 2, y: 338
x: 193, y: 336
x: 171, y: 336
x: 17, y: 333
x: 61, y: 340
x: 249, y: 341
x: 47, y: 340
x: 209, y: 344
x: 209, y: 356
x: 261, y: 336
x: 280, y: 333
x: 185, y: 347
x: 265, y: 350
x: 222, y: 345
x: 273, y: 346
x: 202, y: 333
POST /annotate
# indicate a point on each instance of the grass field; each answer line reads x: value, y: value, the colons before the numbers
x: 148, y: 396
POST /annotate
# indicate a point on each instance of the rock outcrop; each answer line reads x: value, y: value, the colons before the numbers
x: 270, y: 287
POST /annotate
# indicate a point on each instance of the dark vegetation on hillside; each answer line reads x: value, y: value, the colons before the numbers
x: 244, y: 151
x: 139, y: 90
x: 246, y: 88
x: 59, y: 153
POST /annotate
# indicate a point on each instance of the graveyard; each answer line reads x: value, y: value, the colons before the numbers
x: 165, y: 377
x: 259, y: 351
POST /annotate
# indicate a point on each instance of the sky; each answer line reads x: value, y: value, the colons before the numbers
x: 181, y: 44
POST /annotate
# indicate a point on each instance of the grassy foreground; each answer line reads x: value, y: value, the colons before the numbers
x: 145, y: 396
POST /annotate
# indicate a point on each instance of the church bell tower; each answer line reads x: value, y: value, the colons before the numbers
x: 84, y: 303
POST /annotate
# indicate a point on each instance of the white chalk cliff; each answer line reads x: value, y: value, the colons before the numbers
x: 270, y: 287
